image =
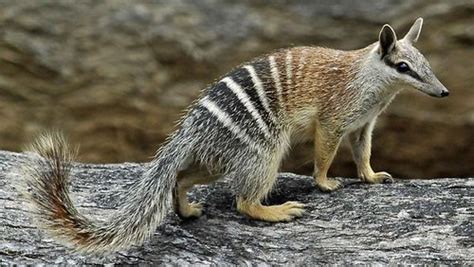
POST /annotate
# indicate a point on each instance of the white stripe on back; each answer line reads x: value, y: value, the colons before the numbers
x: 288, y: 62
x: 260, y: 90
x: 276, y: 78
x: 245, y: 100
x: 224, y: 118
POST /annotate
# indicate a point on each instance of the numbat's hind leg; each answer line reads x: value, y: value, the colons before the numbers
x: 186, y: 180
x: 255, y: 183
x: 276, y: 213
x: 251, y: 193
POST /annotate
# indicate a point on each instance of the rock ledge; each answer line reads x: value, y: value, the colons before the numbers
x: 418, y: 221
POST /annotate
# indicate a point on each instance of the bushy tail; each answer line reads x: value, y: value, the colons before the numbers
x: 47, y: 181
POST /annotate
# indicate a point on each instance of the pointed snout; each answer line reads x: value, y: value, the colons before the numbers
x: 435, y: 89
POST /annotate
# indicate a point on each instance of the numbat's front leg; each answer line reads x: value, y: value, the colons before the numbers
x: 361, y: 146
x: 326, y: 144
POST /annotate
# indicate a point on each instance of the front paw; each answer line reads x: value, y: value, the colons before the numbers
x: 378, y: 177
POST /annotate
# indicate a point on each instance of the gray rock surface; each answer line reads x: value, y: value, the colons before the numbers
x: 417, y: 221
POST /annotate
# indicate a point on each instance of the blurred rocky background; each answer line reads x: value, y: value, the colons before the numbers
x: 116, y: 75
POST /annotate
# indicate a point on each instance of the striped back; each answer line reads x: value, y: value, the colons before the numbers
x: 248, y: 100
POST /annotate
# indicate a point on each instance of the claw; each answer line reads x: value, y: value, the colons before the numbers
x: 389, y: 180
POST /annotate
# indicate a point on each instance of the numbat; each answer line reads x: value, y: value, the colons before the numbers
x: 241, y: 128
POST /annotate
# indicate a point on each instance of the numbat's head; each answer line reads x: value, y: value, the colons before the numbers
x: 402, y: 63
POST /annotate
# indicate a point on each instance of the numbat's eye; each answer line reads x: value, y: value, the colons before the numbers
x: 402, y: 67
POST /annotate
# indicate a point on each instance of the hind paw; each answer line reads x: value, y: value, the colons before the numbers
x: 192, y: 210
x: 276, y: 213
x: 378, y: 177
x: 328, y: 185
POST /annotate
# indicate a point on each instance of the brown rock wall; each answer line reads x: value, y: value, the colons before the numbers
x: 116, y: 75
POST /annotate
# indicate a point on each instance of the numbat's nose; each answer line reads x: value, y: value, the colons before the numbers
x: 444, y: 93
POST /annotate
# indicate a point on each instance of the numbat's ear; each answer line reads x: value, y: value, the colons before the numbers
x: 387, y: 40
x: 414, y: 32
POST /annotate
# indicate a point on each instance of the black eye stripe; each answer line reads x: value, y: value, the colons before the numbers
x: 393, y: 65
